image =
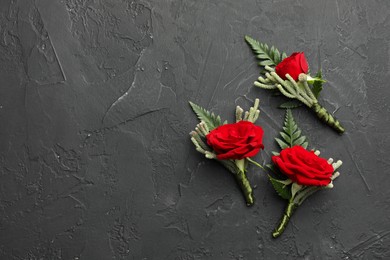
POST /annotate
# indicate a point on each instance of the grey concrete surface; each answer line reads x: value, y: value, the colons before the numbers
x: 96, y: 161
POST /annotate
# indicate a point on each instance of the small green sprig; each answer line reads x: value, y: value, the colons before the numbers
x: 291, y: 134
x: 210, y: 119
x: 266, y: 55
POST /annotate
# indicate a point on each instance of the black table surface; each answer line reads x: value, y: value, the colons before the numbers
x: 96, y: 160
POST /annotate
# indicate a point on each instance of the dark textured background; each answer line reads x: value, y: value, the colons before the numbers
x: 96, y: 161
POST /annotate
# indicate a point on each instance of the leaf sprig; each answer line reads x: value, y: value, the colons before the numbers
x: 291, y: 134
x: 281, y: 187
x: 317, y: 85
x: 210, y: 119
x: 267, y: 56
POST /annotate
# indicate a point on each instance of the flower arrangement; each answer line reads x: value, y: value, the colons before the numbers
x: 297, y: 172
x: 289, y: 75
x: 230, y: 144
x: 306, y: 172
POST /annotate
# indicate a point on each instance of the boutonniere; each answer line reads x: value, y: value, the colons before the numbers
x: 289, y: 75
x: 230, y: 144
x: 306, y: 172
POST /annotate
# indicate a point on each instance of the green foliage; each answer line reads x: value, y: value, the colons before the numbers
x: 291, y: 104
x: 281, y: 187
x: 292, y: 134
x: 317, y: 85
x: 276, y: 173
x: 230, y: 165
x: 267, y: 56
x: 212, y: 121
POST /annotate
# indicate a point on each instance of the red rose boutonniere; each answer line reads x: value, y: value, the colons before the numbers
x: 230, y: 144
x: 306, y: 172
x: 289, y: 75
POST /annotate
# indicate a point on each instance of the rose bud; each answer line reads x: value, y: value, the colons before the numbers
x: 292, y: 65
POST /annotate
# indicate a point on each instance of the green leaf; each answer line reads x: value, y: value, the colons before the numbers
x: 291, y: 104
x: 296, y: 134
x: 281, y: 188
x: 270, y: 166
x: 291, y: 134
x: 230, y: 165
x: 266, y: 63
x: 267, y: 56
x: 300, y: 140
x: 277, y: 56
x: 282, y: 144
x: 286, y: 137
x: 295, y: 187
x: 276, y: 171
x: 317, y: 85
x: 212, y: 121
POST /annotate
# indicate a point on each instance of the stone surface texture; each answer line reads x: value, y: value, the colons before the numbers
x: 95, y: 156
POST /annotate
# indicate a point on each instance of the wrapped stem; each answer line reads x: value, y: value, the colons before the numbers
x: 327, y: 118
x: 285, y: 219
x: 245, y: 186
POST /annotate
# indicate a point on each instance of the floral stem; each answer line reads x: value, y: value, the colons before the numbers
x: 327, y: 118
x: 285, y: 219
x: 255, y: 163
x: 245, y: 186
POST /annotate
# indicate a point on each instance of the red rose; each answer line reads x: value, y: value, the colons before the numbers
x: 293, y: 65
x: 304, y: 167
x: 236, y: 141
